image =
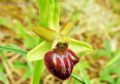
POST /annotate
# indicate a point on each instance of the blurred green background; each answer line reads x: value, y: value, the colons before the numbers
x: 99, y: 25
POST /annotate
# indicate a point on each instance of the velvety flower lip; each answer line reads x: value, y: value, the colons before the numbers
x: 60, y: 61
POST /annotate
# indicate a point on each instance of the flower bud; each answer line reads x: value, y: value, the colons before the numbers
x: 60, y: 61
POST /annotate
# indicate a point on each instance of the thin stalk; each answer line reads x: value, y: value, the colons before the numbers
x: 113, y: 60
x: 84, y: 74
x: 48, y: 14
x: 22, y: 52
x: 77, y: 78
x: 38, y: 69
x: 7, y: 68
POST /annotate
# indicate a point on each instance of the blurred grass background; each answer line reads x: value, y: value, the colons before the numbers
x: 99, y: 25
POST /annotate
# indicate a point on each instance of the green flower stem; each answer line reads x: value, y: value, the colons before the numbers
x: 53, y: 15
x: 37, y: 71
x: 49, y: 18
x: 45, y: 33
x: 113, y: 60
x: 43, y: 11
x: 49, y: 13
x: 84, y: 74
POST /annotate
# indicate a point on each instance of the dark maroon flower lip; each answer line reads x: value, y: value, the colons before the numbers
x: 60, y: 61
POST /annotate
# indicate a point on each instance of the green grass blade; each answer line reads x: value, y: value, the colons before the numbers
x: 22, y: 52
x: 5, y: 22
x: 29, y: 40
x: 84, y: 74
x: 116, y: 57
x: 3, y: 78
x: 77, y: 78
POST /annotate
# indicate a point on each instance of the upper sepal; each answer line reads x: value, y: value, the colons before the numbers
x: 45, y: 33
x: 78, y: 46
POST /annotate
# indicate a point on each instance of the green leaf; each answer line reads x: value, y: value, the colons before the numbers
x: 39, y: 51
x: 106, y: 51
x: 53, y: 16
x: 49, y: 13
x: 43, y: 11
x: 1, y: 67
x: 84, y: 74
x: 26, y: 75
x: 20, y: 65
x: 29, y: 41
x: 12, y: 45
x: 114, y: 68
x: 5, y: 22
x: 105, y: 75
x: 113, y: 60
x: 79, y: 46
x: 4, y: 48
x: 3, y: 78
x: 76, y: 82
x: 118, y: 80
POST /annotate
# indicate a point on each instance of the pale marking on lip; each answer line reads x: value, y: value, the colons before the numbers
x: 69, y: 68
x: 54, y: 59
x: 62, y: 64
x: 73, y: 58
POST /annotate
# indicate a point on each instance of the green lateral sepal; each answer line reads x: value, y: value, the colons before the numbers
x: 39, y: 51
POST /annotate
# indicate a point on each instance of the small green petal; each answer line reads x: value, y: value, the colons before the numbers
x: 70, y: 25
x: 46, y: 33
x: 79, y: 46
x: 39, y: 51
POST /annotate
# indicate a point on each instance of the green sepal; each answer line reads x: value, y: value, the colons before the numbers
x: 39, y: 51
x: 46, y: 33
x: 78, y: 46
